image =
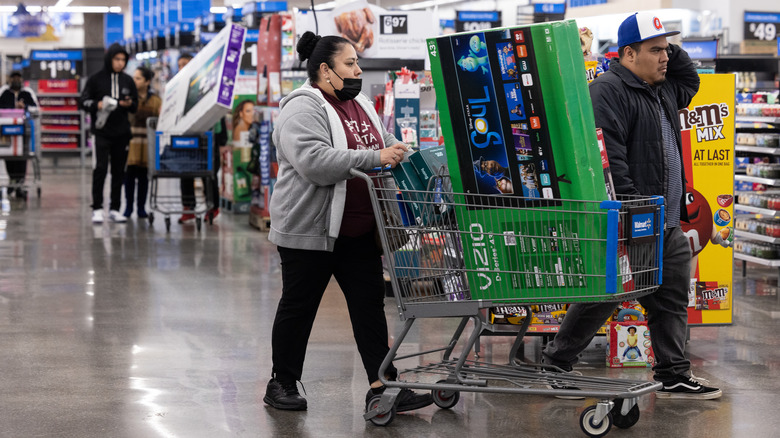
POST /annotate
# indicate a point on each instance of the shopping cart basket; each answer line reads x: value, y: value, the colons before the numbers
x: 20, y: 132
x: 454, y: 254
x: 176, y: 157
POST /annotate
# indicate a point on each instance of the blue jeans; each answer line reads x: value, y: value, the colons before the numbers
x: 667, y: 316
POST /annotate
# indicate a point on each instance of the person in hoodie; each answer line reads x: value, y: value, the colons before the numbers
x: 322, y: 220
x: 16, y: 96
x: 110, y: 96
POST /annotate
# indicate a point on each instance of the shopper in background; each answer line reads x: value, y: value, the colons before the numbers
x: 105, y: 89
x: 16, y: 95
x: 187, y: 184
x: 636, y: 104
x: 322, y: 219
x: 138, y: 155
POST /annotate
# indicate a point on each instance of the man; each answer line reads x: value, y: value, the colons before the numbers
x: 635, y: 104
x: 16, y: 95
x: 187, y: 184
x: 109, y: 96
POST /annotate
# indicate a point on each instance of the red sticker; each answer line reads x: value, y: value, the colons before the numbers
x: 519, y: 37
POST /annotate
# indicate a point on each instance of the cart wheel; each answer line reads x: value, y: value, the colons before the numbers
x: 167, y: 224
x: 151, y: 218
x: 594, y: 429
x: 198, y: 222
x: 381, y: 419
x: 445, y: 399
x: 624, y: 421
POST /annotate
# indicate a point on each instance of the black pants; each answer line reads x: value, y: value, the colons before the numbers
x: 187, y: 186
x: 113, y: 150
x: 17, y: 170
x: 132, y: 174
x: 357, y: 266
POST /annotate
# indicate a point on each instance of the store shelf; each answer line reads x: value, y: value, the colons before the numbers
x: 755, y: 179
x: 757, y: 149
x: 757, y: 119
x: 59, y: 112
x: 58, y: 94
x: 60, y: 131
x: 758, y: 260
x: 754, y: 236
x: 757, y: 210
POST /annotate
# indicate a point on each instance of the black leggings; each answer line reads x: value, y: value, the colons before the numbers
x: 357, y: 266
x: 113, y: 150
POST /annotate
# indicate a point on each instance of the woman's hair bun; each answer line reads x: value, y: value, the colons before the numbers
x: 306, y: 45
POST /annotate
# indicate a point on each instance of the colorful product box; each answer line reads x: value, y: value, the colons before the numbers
x: 628, y: 345
x: 518, y: 125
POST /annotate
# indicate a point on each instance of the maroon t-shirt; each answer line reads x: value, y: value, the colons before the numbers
x: 361, y: 135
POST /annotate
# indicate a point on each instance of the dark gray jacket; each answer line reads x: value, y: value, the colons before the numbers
x: 627, y: 112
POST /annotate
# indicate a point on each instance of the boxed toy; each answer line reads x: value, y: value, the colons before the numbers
x: 12, y: 132
x: 628, y: 344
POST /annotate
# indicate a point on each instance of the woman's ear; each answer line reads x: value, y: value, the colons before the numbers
x: 324, y: 71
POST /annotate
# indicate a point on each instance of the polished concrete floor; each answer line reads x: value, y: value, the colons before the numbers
x: 129, y: 331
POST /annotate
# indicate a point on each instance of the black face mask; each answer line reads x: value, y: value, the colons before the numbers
x: 350, y: 89
x: 15, y: 85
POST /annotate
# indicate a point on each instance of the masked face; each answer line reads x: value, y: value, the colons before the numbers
x: 16, y: 83
x: 346, y: 81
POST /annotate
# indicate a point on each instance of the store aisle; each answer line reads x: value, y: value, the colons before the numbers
x: 127, y: 331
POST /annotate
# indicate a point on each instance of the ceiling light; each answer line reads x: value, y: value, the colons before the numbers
x: 218, y: 10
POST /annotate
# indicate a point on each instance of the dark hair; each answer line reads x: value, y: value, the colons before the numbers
x: 15, y: 73
x: 239, y: 108
x: 634, y: 46
x: 146, y: 72
x: 318, y: 49
x: 185, y: 55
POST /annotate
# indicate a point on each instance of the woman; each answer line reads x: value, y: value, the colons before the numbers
x: 322, y: 220
x: 243, y: 116
x: 137, y: 156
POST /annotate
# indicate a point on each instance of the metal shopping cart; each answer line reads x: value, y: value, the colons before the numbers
x: 457, y: 254
x: 20, y: 132
x: 175, y: 157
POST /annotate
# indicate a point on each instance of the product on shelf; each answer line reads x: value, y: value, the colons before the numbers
x: 769, y: 251
x: 758, y: 110
x: 756, y: 139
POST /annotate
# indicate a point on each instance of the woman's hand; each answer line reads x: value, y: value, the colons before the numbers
x: 393, y: 155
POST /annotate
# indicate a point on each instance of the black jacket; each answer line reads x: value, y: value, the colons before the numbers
x: 8, y: 97
x: 117, y: 85
x: 627, y: 112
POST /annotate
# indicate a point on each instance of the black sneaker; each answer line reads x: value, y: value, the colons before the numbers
x: 688, y: 387
x: 408, y: 400
x: 561, y: 385
x: 284, y: 396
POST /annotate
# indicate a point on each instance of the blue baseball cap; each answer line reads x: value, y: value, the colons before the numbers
x: 641, y: 26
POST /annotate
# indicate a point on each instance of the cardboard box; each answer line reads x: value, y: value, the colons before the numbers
x: 236, y: 180
x: 517, y: 121
x: 202, y: 92
x: 620, y: 354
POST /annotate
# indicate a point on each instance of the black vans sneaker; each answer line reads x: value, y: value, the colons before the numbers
x: 688, y: 387
x: 285, y: 396
x: 408, y: 400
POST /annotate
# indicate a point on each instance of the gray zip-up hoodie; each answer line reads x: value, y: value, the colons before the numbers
x: 314, y: 163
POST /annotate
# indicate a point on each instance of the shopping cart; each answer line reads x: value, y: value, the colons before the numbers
x: 456, y: 254
x: 174, y: 157
x: 20, y: 132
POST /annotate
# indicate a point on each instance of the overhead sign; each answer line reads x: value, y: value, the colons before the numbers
x: 761, y: 25
x: 373, y: 31
x: 469, y: 21
x: 701, y: 49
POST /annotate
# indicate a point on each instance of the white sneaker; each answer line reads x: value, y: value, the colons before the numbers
x: 115, y: 216
x: 98, y: 216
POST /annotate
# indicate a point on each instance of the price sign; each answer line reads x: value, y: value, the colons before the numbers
x: 761, y: 26
x: 56, y: 64
x: 249, y: 60
x: 394, y: 24
x: 470, y: 21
